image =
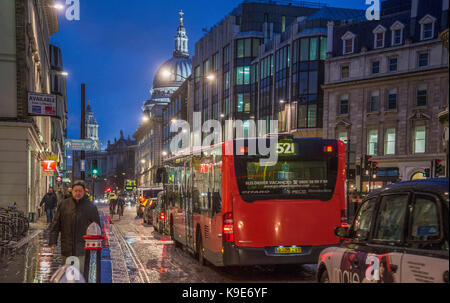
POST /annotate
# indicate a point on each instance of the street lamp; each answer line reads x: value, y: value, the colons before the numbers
x: 145, y: 118
x: 58, y: 6
x: 167, y: 73
x: 164, y: 153
x: 143, y: 161
x: 65, y: 74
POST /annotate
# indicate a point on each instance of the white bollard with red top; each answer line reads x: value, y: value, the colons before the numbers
x: 93, y: 244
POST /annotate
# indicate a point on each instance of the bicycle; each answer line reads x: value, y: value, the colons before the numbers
x: 6, y: 234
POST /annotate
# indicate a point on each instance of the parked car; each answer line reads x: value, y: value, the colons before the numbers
x: 159, y: 214
x: 399, y: 234
x: 145, y: 194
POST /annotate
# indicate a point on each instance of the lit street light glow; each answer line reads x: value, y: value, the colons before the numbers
x: 58, y: 6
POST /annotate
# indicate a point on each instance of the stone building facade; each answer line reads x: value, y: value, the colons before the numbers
x: 385, y: 84
x: 25, y: 66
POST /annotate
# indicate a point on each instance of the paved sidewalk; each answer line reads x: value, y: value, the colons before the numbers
x: 31, y: 260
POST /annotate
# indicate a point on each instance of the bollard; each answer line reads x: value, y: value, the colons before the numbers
x: 93, y: 246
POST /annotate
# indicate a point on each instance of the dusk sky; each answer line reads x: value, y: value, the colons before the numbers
x: 117, y: 46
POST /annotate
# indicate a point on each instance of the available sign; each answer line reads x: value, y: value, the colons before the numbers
x: 41, y: 104
x: 49, y: 166
x: 86, y: 145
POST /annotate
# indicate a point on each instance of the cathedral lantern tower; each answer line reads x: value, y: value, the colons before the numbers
x: 91, y: 124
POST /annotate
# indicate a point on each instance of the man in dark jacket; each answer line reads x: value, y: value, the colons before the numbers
x: 72, y: 219
x: 50, y: 202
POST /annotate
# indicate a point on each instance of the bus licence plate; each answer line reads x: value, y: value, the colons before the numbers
x: 288, y: 250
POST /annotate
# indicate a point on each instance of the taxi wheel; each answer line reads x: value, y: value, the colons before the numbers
x: 324, y: 277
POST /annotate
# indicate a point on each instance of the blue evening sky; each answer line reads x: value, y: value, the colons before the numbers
x: 117, y: 46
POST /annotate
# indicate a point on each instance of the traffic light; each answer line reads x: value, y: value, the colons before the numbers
x: 367, y: 164
x: 94, y: 167
x: 438, y: 168
x: 374, y: 170
x: 427, y: 173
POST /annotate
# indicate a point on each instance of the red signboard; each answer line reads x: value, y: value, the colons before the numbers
x: 59, y: 179
x: 49, y: 166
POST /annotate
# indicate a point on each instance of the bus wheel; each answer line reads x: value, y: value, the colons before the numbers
x: 200, y: 257
x: 324, y: 277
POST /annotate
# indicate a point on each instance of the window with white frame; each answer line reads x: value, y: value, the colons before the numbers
x: 379, y: 34
x: 421, y: 98
x: 423, y: 59
x: 348, y: 43
x: 419, y: 139
x: 392, y: 100
x: 372, y: 142
x: 397, y: 33
x: 374, y: 102
x: 389, y: 142
x: 427, y: 27
x: 343, y: 105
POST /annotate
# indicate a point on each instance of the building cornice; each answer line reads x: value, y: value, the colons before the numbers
x: 405, y: 75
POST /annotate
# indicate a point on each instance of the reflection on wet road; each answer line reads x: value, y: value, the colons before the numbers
x: 150, y: 257
x: 138, y: 254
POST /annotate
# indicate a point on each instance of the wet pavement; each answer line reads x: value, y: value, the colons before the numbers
x: 135, y: 253
x: 30, y: 260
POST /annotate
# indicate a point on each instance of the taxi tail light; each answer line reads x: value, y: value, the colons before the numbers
x: 162, y: 217
x: 344, y: 221
x: 228, y: 227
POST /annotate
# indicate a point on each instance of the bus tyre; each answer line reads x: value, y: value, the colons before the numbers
x: 200, y: 257
x: 324, y: 277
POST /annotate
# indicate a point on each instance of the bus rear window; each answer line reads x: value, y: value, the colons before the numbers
x: 151, y: 193
x: 308, y: 176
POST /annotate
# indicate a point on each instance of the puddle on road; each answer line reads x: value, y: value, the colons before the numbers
x: 34, y: 262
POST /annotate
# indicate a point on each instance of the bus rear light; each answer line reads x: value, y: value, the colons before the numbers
x: 162, y: 217
x: 228, y: 228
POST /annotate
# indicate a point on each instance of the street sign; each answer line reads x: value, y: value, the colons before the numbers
x: 130, y: 185
x: 86, y: 145
x: 41, y: 104
x: 59, y: 179
x: 49, y: 166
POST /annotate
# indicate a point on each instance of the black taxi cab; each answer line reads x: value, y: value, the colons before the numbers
x: 399, y: 234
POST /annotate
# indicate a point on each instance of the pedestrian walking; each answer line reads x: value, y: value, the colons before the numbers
x: 73, y: 217
x: 59, y: 195
x: 50, y: 202
x: 67, y: 193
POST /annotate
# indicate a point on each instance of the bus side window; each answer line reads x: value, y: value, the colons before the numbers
x: 217, y: 203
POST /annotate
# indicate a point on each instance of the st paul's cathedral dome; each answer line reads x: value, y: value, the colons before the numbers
x: 172, y: 73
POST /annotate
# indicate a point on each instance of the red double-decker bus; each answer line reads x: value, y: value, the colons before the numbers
x: 233, y: 209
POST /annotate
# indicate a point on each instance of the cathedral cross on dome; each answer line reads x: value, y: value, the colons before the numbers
x: 181, y: 17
